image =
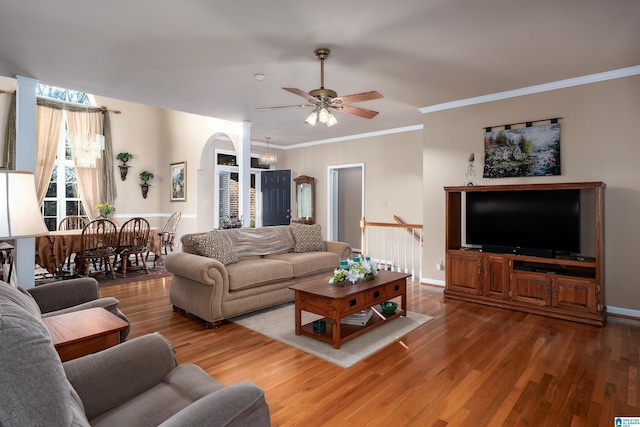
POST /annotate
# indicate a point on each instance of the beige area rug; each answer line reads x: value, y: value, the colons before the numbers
x: 278, y: 323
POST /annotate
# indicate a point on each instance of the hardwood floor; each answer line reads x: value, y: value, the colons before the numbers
x: 472, y: 365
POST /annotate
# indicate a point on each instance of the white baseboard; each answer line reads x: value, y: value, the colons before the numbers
x: 432, y: 282
x: 627, y: 312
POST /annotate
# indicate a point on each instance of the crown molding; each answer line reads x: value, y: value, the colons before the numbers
x: 560, y: 84
x: 350, y: 137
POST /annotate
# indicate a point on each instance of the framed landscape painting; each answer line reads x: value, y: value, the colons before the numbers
x: 179, y: 182
x: 529, y: 151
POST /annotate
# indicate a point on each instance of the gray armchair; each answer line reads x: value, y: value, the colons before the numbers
x: 136, y: 383
x: 73, y: 295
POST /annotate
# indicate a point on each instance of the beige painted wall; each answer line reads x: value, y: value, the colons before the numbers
x: 393, y: 173
x: 138, y: 130
x: 599, y: 142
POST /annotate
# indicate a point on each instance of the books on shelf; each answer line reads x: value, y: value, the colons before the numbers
x: 358, y: 319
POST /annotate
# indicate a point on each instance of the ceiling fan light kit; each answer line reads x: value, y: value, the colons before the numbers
x: 322, y: 115
x: 324, y: 101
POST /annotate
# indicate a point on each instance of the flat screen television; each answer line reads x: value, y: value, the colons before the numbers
x: 535, y: 219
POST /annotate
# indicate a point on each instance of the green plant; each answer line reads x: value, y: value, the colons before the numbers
x: 124, y: 157
x: 146, y: 176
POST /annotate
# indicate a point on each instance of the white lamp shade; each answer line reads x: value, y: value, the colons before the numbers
x: 323, y: 115
x: 20, y: 214
x: 332, y: 120
x: 312, y: 119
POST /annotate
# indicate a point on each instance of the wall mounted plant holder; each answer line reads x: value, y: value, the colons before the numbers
x: 124, y: 169
x: 145, y: 189
x: 144, y: 177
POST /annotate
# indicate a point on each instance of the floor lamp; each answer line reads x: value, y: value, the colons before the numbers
x: 20, y: 214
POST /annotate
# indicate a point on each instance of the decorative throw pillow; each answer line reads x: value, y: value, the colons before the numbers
x: 308, y: 238
x: 215, y: 245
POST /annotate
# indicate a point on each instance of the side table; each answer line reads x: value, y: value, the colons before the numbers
x: 84, y: 332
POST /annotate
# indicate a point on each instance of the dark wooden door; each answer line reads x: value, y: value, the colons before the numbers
x: 276, y: 197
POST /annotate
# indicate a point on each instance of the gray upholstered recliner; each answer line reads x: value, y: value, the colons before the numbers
x: 74, y: 295
x: 136, y: 383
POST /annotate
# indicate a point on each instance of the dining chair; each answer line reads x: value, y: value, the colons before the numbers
x: 73, y: 222
x: 133, y: 241
x: 98, y: 245
x: 168, y: 232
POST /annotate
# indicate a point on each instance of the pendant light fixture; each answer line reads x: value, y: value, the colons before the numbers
x: 86, y: 147
x: 268, y: 158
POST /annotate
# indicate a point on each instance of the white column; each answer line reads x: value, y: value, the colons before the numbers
x: 244, y: 164
x: 25, y: 161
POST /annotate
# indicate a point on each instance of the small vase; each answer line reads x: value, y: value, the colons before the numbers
x: 145, y: 189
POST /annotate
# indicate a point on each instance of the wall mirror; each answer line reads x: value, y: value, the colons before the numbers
x: 305, y: 200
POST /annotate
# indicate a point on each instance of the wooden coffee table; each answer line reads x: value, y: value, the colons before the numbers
x: 84, y: 332
x: 335, y: 302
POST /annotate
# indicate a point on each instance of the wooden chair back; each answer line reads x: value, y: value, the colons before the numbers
x: 98, y: 242
x: 73, y: 222
x: 133, y: 240
x: 168, y: 232
x: 134, y: 235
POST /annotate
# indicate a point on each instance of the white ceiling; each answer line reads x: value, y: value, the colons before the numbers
x: 200, y: 56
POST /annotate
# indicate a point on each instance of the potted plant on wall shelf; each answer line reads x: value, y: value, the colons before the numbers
x: 145, y: 176
x: 124, y: 168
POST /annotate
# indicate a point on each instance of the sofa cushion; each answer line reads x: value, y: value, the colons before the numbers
x: 217, y: 245
x: 181, y: 387
x: 20, y: 297
x: 261, y: 241
x: 250, y: 273
x: 307, y: 238
x: 309, y: 263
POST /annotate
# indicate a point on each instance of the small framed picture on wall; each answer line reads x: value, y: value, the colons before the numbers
x: 179, y: 182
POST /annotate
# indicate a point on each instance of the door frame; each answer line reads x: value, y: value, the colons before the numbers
x: 216, y: 186
x: 332, y: 197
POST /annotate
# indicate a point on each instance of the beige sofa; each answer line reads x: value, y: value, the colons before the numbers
x: 247, y: 269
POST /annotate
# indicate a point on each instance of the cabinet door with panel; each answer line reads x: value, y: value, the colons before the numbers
x: 577, y: 295
x: 464, y: 273
x: 534, y: 289
x: 495, y: 280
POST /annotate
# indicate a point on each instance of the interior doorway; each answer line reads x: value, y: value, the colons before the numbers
x: 345, y: 203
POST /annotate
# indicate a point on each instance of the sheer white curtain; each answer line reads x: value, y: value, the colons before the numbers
x: 48, y: 125
x: 89, y: 179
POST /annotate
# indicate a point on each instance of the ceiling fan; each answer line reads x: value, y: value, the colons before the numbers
x: 324, y: 101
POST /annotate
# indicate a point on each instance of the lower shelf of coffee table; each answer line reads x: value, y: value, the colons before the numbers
x: 347, y: 332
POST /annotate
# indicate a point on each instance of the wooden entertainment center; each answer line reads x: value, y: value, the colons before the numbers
x: 565, y: 287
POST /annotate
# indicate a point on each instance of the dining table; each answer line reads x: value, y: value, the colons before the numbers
x: 55, y: 247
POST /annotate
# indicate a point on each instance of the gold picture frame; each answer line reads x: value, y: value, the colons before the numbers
x: 178, y: 189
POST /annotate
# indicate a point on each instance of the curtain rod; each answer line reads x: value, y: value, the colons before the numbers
x: 527, y: 124
x: 103, y: 108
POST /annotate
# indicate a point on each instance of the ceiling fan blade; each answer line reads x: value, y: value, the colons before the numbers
x: 284, y: 106
x: 300, y: 93
x: 357, y: 111
x: 358, y: 97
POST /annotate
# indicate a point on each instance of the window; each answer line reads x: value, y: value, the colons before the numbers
x: 62, y: 197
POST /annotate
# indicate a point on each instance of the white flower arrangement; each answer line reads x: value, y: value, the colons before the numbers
x: 354, y: 271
